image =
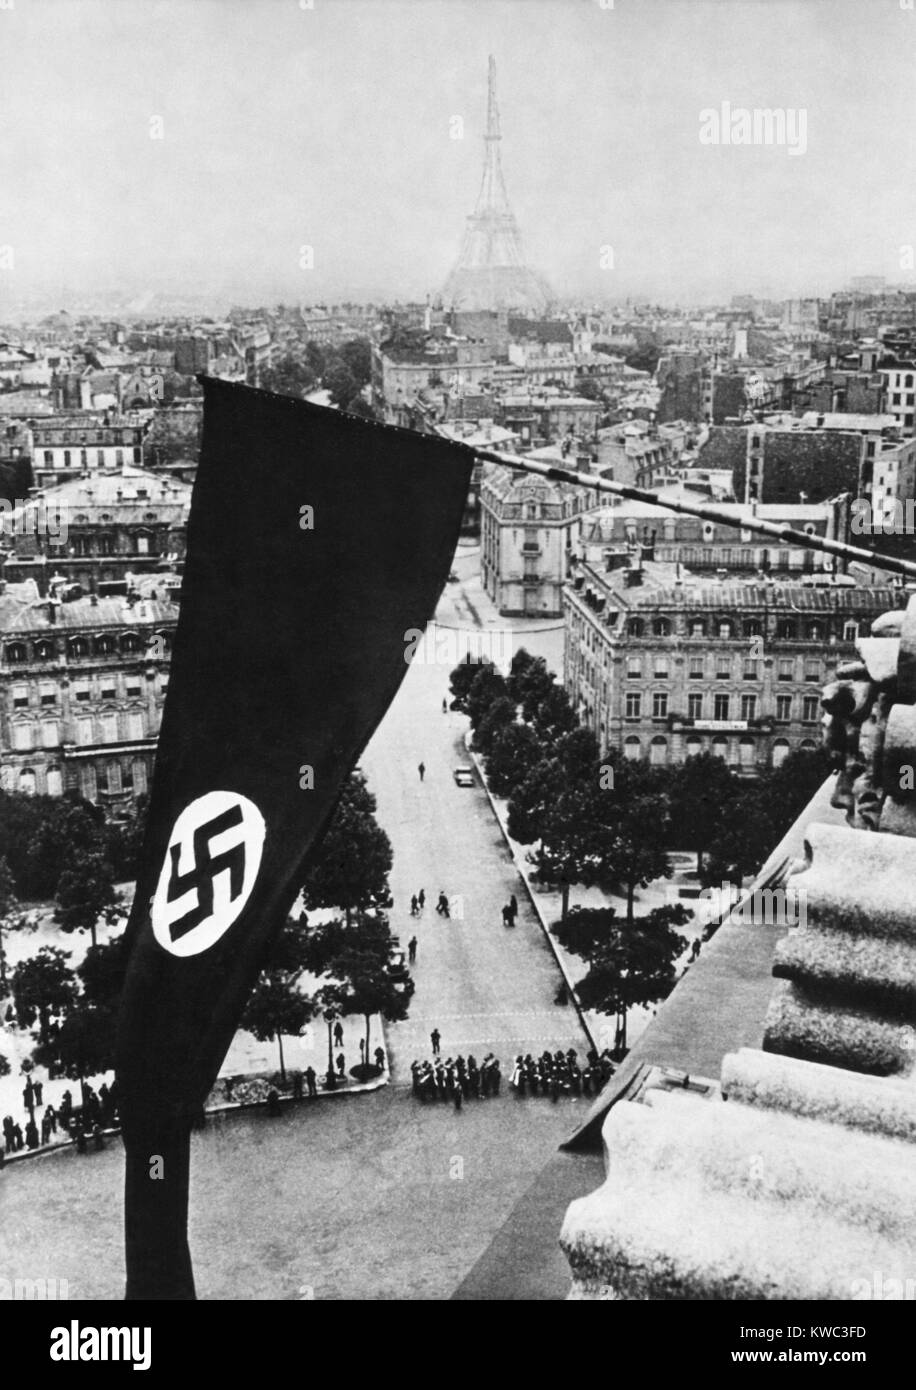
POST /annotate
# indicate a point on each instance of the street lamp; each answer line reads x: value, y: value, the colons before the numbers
x: 331, y: 1083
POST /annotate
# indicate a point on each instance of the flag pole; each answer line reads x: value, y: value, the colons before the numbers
x: 655, y: 499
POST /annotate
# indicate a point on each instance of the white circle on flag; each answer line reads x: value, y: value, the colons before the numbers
x: 211, y: 863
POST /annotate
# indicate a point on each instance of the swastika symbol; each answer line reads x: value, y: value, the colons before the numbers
x: 209, y: 870
x: 205, y: 869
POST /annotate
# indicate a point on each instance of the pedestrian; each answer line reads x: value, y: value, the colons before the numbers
x: 297, y: 1085
x: 338, y: 1034
x: 28, y: 1095
x: 435, y: 1038
x: 457, y: 1097
x: 379, y: 1055
x: 341, y: 1063
x: 513, y: 908
x: 445, y: 707
x: 310, y: 1081
x: 45, y: 1129
x: 31, y: 1134
x: 362, y: 1051
x: 421, y: 769
x: 38, y: 1087
x: 507, y: 916
x: 412, y: 950
x: 421, y: 898
x: 97, y: 1139
x: 80, y: 1140
x: 414, y: 905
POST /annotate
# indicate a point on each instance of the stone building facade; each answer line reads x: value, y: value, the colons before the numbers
x: 82, y: 686
x: 664, y: 670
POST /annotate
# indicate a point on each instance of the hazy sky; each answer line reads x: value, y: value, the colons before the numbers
x: 330, y: 127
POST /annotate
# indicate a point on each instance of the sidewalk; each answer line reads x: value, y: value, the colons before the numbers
x: 547, y: 904
x: 252, y: 1064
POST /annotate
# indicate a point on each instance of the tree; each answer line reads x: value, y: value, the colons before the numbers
x: 43, y: 988
x: 356, y: 957
x: 629, y: 962
x: 530, y: 682
x: 340, y: 383
x: 102, y: 974
x: 350, y: 868
x: 12, y: 918
x: 69, y: 830
x: 124, y: 840
x: 633, y: 817
x: 701, y: 790
x: 513, y: 752
x: 276, y: 1006
x: 83, y: 1045
x: 496, y: 721
x: 462, y: 679
x: 289, y: 377
x: 356, y: 355
x: 487, y: 687
x: 86, y: 894
x: 554, y: 715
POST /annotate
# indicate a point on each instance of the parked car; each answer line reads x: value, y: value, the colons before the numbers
x: 464, y: 776
x: 397, y: 966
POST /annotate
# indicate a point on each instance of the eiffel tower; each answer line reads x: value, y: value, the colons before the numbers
x: 490, y: 272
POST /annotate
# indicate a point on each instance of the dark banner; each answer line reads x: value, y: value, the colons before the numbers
x: 316, y: 540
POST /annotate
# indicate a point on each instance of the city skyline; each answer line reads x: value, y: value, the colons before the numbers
x: 332, y: 150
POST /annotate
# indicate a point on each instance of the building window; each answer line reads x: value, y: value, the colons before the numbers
x: 693, y: 747
x: 84, y: 732
x: 634, y: 668
x: 47, y: 693
x: 138, y: 456
x: 816, y: 632
x: 780, y: 752
x: 135, y: 727
x: 695, y: 705
x: 109, y: 724
x: 661, y: 668
x: 658, y: 751
x: 720, y: 748
x: 22, y: 737
x: 746, y: 753
x: 696, y: 668
x: 49, y: 458
x: 725, y: 630
x: 634, y: 627
x: 720, y: 707
x: 810, y: 708
x: 748, y: 706
x: 633, y: 705
x: 813, y: 673
x: 659, y: 705
x: 697, y: 628
x: 17, y: 653
x: 20, y: 694
x: 631, y: 749
x: 55, y: 781
x: 661, y: 627
x: 786, y: 671
x: 50, y: 733
x: 100, y: 457
x: 783, y: 709
x: 785, y: 630
x: 108, y: 692
x: 723, y: 668
x: 66, y: 458
x: 850, y: 630
x: 27, y: 783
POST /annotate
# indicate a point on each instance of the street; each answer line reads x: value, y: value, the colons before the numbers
x: 486, y: 987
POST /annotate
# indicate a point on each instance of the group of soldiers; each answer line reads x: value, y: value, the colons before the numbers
x: 560, y: 1074
x: 97, y: 1112
x: 455, y: 1079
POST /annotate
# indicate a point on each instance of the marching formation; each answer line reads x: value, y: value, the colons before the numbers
x: 560, y: 1074
x: 456, y: 1080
